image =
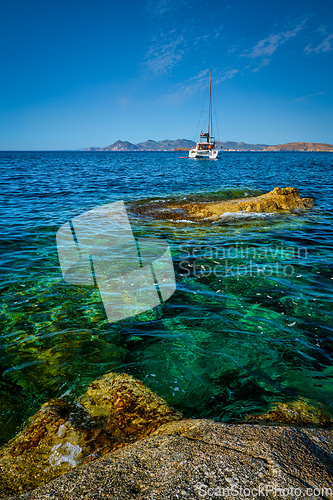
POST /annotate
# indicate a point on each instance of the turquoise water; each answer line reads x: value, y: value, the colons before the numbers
x: 251, y: 320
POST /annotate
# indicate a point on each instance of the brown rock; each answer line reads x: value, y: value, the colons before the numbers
x: 116, y: 410
x: 280, y: 199
x: 131, y: 411
x: 298, y: 412
x: 50, y: 444
x: 195, y: 459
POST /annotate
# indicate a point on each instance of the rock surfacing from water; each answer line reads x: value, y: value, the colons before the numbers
x: 298, y: 412
x: 195, y: 459
x: 278, y: 200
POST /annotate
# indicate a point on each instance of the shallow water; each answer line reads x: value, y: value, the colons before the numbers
x: 251, y: 320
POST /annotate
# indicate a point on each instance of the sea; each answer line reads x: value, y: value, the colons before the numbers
x: 250, y: 323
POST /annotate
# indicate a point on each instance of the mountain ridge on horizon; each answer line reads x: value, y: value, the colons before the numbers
x: 174, y: 144
x: 186, y: 144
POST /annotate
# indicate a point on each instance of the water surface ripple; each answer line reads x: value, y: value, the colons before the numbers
x: 251, y: 320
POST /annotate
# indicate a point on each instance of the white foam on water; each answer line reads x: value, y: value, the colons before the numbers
x: 247, y: 215
x: 182, y: 220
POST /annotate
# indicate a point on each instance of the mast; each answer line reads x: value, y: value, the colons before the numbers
x: 210, y: 120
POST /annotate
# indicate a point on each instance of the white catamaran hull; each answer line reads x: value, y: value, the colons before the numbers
x: 210, y: 154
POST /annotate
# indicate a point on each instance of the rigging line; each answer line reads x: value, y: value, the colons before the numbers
x: 202, y: 110
x: 215, y: 115
x: 210, y: 121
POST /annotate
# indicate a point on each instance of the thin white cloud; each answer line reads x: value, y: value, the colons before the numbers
x: 195, y: 84
x: 269, y: 45
x: 305, y: 97
x: 167, y: 49
x: 207, y: 35
x: 263, y: 63
x: 186, y: 89
x: 226, y: 75
x: 164, y: 54
x: 158, y: 8
x: 324, y: 46
x: 322, y: 29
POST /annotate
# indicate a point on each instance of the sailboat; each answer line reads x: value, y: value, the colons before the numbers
x: 207, y: 147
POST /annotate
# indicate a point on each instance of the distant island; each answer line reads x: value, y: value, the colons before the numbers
x: 301, y: 146
x: 185, y: 145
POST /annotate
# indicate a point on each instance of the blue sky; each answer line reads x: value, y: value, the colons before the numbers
x: 79, y: 74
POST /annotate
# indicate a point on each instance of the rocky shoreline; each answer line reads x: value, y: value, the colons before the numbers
x: 121, y: 441
x: 194, y: 459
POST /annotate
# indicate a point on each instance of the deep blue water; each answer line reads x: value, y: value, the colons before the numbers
x: 221, y: 347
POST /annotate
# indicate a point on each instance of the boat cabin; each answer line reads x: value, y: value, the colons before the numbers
x: 206, y: 142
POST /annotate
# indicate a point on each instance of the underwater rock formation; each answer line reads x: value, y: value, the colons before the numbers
x: 130, y: 410
x: 295, y: 413
x: 278, y: 200
x: 115, y: 410
x: 194, y: 459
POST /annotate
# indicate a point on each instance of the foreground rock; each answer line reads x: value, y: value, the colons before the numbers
x: 280, y: 199
x: 115, y: 411
x: 194, y: 459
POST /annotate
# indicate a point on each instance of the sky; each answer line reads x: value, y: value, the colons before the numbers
x: 76, y: 74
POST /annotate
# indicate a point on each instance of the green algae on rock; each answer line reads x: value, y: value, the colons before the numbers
x: 116, y: 410
x: 299, y: 412
x: 280, y: 199
x: 131, y: 410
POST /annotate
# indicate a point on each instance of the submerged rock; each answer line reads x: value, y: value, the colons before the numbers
x: 279, y: 199
x: 195, y: 459
x: 298, y: 412
x: 130, y: 410
x: 116, y: 410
